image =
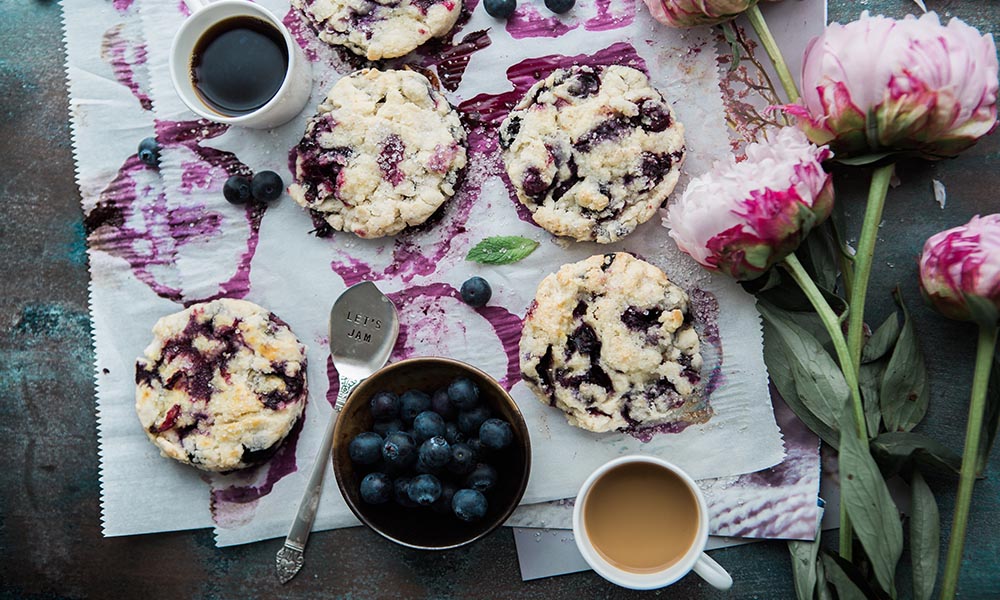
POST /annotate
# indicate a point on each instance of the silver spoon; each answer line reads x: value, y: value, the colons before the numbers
x: 363, y: 330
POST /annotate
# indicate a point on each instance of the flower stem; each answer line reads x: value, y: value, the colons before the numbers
x: 970, y: 458
x: 832, y: 325
x: 771, y: 47
x: 863, y: 261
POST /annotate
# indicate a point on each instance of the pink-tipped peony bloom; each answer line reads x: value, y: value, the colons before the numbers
x: 742, y: 218
x: 915, y: 86
x: 960, y: 270
x: 691, y: 13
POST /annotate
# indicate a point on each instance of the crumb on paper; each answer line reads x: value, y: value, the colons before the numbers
x: 940, y: 194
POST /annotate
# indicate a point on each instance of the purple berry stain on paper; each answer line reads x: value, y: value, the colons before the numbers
x: 607, y: 18
x: 528, y: 22
x: 124, y: 55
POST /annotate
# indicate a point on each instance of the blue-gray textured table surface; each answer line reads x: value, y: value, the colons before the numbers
x: 50, y: 532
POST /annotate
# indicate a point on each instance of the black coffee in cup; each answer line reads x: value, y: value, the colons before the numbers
x: 239, y: 64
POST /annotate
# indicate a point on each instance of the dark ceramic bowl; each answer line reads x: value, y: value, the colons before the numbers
x: 423, y: 528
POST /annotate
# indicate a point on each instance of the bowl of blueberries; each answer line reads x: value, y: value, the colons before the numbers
x: 431, y: 453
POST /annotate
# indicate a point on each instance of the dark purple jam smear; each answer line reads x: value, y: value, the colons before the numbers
x: 390, y: 156
x: 641, y: 319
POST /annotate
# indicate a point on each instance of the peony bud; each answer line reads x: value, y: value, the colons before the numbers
x: 881, y: 85
x: 691, y: 13
x: 960, y: 271
x: 742, y: 218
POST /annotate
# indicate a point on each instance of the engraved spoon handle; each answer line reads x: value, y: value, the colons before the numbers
x: 290, y: 557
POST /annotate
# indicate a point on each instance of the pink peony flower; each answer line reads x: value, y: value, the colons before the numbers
x: 916, y: 86
x: 742, y: 218
x: 960, y: 271
x: 691, y: 13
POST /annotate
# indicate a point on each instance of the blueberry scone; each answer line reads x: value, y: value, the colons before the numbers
x: 378, y: 29
x: 609, y: 341
x: 382, y: 154
x: 221, y: 385
x: 592, y: 152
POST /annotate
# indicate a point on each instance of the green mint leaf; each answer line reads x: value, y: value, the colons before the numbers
x: 896, y: 450
x: 904, y: 393
x: 501, y: 250
x: 925, y: 537
x: 873, y: 514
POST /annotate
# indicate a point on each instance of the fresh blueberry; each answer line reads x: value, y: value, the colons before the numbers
x: 424, y: 489
x: 237, y: 190
x: 469, y: 505
x: 384, y: 428
x: 559, y: 6
x: 463, y: 459
x: 463, y: 393
x: 266, y: 186
x: 500, y: 9
x: 441, y: 404
x: 452, y: 434
x: 366, y: 448
x: 443, y: 504
x: 482, y: 478
x: 412, y: 403
x: 384, y: 406
x: 469, y: 421
x: 400, y: 492
x: 376, y: 488
x: 476, y: 292
x: 399, y: 449
x: 476, y: 445
x: 435, y: 452
x: 149, y: 152
x: 496, y: 434
x: 427, y: 425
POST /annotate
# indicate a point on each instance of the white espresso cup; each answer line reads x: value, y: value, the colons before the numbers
x: 694, y: 559
x: 286, y: 103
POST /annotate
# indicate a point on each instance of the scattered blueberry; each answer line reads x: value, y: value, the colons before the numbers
x: 469, y: 421
x: 500, y: 9
x: 469, y: 505
x: 463, y: 393
x: 424, y: 489
x: 559, y: 6
x: 384, y: 406
x: 376, y: 488
x: 427, y: 425
x: 452, y: 434
x: 435, y: 452
x: 384, y: 428
x: 496, y: 434
x: 476, y: 445
x: 482, y: 478
x: 412, y: 403
x: 366, y: 448
x: 441, y: 404
x: 399, y: 449
x: 443, y: 503
x: 266, y: 186
x: 463, y: 459
x: 476, y: 292
x: 237, y: 190
x: 149, y: 152
x: 400, y: 492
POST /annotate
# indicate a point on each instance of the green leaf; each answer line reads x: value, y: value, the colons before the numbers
x: 848, y: 575
x: 805, y: 375
x: 819, y: 255
x: 904, y: 392
x: 873, y: 514
x: 803, y: 556
x: 845, y: 586
x: 734, y: 45
x: 867, y: 159
x: 991, y: 418
x: 882, y: 340
x: 869, y: 379
x: 896, y: 450
x: 501, y: 250
x: 925, y: 537
x: 822, y: 589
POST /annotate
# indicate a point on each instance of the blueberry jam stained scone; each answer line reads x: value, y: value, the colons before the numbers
x: 378, y: 29
x: 609, y: 341
x: 592, y: 152
x: 383, y: 153
x: 221, y: 385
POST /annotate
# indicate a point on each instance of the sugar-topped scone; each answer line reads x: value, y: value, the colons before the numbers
x: 609, y: 341
x: 383, y: 153
x: 378, y: 29
x: 592, y: 152
x: 221, y: 385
